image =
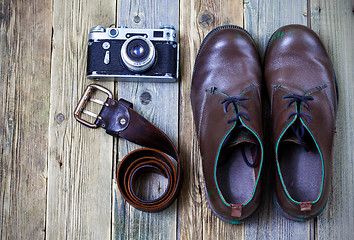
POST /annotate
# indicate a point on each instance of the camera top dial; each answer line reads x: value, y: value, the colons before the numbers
x: 113, y: 32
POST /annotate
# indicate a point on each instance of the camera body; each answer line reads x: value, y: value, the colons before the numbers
x: 126, y: 54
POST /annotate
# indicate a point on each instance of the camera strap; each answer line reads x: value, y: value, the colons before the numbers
x: 160, y: 155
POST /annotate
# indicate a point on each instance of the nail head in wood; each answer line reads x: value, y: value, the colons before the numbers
x: 60, y: 118
x: 137, y: 19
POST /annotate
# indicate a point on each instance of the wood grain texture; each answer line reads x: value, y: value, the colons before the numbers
x: 197, y: 19
x: 262, y: 18
x: 80, y: 159
x: 25, y: 39
x: 57, y: 177
x: 158, y: 102
x: 334, y: 22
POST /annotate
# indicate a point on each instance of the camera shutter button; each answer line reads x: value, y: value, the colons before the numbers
x: 167, y: 27
x: 98, y: 28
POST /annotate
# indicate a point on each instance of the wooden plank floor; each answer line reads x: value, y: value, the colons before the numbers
x: 57, y: 177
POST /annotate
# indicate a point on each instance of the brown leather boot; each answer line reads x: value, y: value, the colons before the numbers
x: 302, y: 89
x: 226, y: 102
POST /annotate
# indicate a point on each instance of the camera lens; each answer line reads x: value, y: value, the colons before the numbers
x: 137, y: 51
x: 138, y: 54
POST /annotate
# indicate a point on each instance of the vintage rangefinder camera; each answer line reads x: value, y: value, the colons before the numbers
x: 127, y: 54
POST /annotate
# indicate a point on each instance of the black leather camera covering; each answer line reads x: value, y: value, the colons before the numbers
x: 166, y: 62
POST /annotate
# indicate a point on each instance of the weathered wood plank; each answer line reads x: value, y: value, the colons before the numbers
x: 197, y: 18
x: 80, y: 173
x: 262, y: 18
x: 334, y: 21
x: 25, y: 43
x: 80, y: 159
x: 158, y: 102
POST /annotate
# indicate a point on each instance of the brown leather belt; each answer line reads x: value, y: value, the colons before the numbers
x: 119, y: 119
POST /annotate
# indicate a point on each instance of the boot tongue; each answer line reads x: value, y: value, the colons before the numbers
x: 290, y: 135
x: 296, y: 134
x: 245, y: 141
x: 292, y: 139
x: 240, y: 135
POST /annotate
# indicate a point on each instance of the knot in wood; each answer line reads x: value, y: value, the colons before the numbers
x: 206, y: 19
x: 145, y: 98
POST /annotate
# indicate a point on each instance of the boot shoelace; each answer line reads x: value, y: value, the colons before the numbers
x: 238, y: 101
x: 299, y: 130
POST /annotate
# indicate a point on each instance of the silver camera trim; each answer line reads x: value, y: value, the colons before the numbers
x: 138, y: 66
x: 100, y: 33
x: 136, y: 78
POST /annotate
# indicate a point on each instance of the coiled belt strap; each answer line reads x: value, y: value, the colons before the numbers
x: 119, y: 119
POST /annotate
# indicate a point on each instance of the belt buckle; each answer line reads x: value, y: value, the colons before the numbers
x: 82, y: 103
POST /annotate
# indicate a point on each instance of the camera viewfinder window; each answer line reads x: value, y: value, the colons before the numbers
x: 158, y: 34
